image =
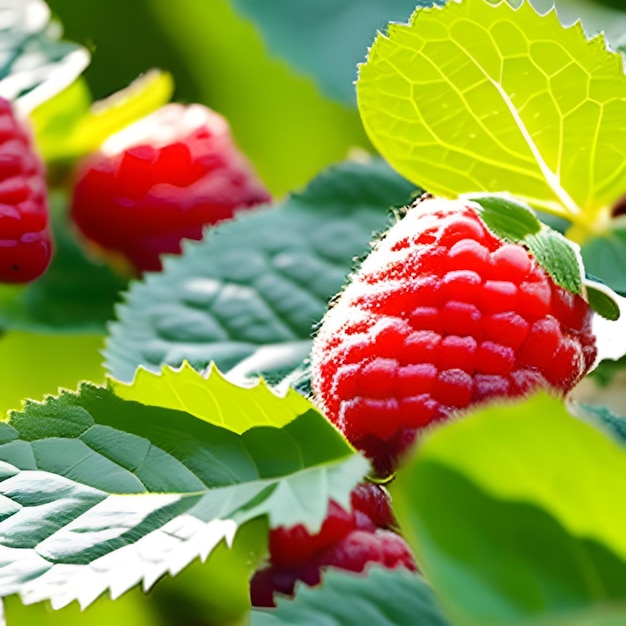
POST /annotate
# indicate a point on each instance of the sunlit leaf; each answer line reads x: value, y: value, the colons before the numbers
x: 516, y: 514
x: 212, y: 398
x: 476, y: 97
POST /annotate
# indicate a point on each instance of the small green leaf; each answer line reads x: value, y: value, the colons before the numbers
x: 35, y: 63
x: 213, y: 398
x: 476, y: 97
x: 383, y: 597
x: 602, y: 300
x: 103, y: 493
x: 507, y: 217
x: 506, y: 529
x: 559, y: 257
x: 249, y: 295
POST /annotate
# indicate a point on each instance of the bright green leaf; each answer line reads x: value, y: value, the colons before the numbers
x: 35, y: 64
x: 248, y: 296
x: 102, y: 493
x: 602, y: 300
x: 473, y: 97
x: 213, y: 398
x: 516, y: 513
x: 383, y: 598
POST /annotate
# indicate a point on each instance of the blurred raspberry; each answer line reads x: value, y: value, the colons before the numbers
x: 25, y: 240
x: 161, y: 180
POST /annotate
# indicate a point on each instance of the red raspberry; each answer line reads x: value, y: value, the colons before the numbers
x: 161, y: 180
x: 25, y: 241
x: 346, y: 541
x: 441, y: 316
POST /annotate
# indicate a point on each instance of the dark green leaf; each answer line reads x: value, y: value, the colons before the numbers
x: 76, y: 294
x: 248, y: 296
x: 507, y: 529
x: 34, y: 64
x: 605, y: 257
x: 602, y: 302
x: 336, y: 36
x: 383, y: 598
x: 101, y: 493
x: 558, y: 256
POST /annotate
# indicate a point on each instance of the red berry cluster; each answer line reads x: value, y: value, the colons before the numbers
x: 161, y: 180
x: 25, y: 240
x: 443, y: 315
x: 346, y: 540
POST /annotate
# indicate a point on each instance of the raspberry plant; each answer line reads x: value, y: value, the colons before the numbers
x: 440, y: 311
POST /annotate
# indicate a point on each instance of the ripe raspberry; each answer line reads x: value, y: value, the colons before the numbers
x: 348, y: 541
x: 160, y: 180
x: 25, y: 241
x: 441, y: 316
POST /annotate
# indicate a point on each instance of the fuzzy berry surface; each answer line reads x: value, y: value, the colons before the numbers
x: 348, y: 540
x: 443, y: 316
x: 25, y: 240
x: 162, y: 180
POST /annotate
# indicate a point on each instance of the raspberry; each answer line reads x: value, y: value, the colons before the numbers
x: 25, y: 241
x: 442, y: 316
x: 346, y: 540
x: 161, y: 180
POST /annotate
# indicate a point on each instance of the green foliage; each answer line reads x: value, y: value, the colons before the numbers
x: 103, y: 493
x: 335, y: 39
x: 511, y: 531
x: 475, y: 97
x: 248, y: 296
x: 382, y: 597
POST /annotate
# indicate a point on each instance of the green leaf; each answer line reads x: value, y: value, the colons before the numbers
x: 249, y: 295
x: 474, y: 97
x: 337, y: 35
x: 103, y: 493
x: 509, y: 528
x: 605, y: 256
x: 69, y: 126
x: 383, y: 597
x: 75, y: 295
x: 507, y: 217
x: 34, y: 63
x: 213, y: 398
x: 602, y: 300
